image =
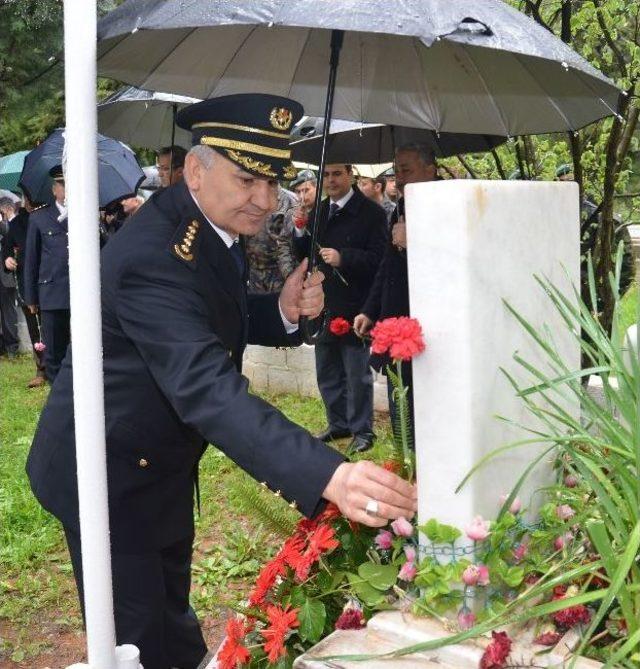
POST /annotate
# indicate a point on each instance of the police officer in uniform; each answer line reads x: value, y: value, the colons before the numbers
x: 46, y: 275
x: 175, y: 321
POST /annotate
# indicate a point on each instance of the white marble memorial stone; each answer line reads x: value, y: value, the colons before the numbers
x: 471, y: 245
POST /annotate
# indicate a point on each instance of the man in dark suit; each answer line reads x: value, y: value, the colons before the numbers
x: 352, y: 236
x: 175, y: 320
x: 389, y: 295
x: 46, y: 275
x: 13, y: 251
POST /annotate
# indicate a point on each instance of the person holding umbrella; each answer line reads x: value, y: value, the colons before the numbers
x: 352, y: 233
x: 175, y: 321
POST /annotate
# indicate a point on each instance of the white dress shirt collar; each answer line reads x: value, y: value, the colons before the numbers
x: 228, y: 239
x: 344, y: 199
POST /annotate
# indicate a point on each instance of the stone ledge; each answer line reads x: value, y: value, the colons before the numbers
x: 391, y: 630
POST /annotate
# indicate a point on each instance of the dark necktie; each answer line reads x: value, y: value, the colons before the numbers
x: 333, y: 209
x: 238, y: 257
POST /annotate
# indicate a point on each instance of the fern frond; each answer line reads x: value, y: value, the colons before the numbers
x: 272, y: 511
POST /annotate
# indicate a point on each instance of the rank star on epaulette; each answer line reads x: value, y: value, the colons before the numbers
x: 183, y: 248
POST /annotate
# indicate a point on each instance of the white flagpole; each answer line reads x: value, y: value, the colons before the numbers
x: 81, y: 179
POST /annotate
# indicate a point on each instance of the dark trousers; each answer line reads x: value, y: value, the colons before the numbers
x: 34, y: 336
x: 151, y: 603
x: 346, y: 385
x: 407, y: 379
x: 8, y: 320
x: 56, y: 335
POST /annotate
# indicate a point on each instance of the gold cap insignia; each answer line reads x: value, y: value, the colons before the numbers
x: 281, y: 118
x: 290, y: 172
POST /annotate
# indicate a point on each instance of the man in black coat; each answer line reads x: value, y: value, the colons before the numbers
x: 46, y: 275
x: 13, y: 260
x: 175, y: 321
x: 389, y: 295
x: 352, y: 237
x: 9, y: 342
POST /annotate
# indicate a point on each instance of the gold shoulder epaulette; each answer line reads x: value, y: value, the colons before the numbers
x: 183, y: 248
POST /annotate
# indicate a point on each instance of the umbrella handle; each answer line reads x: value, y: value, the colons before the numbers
x: 311, y: 335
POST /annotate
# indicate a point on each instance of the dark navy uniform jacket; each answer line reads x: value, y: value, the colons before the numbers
x: 175, y: 321
x: 46, y: 268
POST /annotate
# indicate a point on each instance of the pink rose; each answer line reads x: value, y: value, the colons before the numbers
x: 571, y: 480
x: 483, y: 574
x: 478, y: 530
x: 466, y: 619
x: 470, y: 575
x: 516, y: 505
x: 408, y: 571
x: 564, y: 512
x: 384, y: 540
x: 410, y: 552
x: 39, y: 346
x: 402, y: 527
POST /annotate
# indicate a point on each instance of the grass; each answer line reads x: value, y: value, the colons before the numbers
x: 629, y: 306
x: 36, y: 582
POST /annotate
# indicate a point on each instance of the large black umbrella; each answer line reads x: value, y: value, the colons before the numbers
x: 372, y: 143
x: 144, y: 118
x: 445, y: 65
x: 119, y: 174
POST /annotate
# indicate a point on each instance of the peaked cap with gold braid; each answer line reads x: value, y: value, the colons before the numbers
x: 251, y: 129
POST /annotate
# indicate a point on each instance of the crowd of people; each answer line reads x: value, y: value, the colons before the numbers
x: 215, y: 259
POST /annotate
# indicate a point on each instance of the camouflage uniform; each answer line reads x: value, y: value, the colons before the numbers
x: 270, y: 253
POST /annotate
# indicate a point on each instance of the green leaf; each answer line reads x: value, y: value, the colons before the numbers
x: 513, y: 576
x: 312, y: 616
x: 366, y: 593
x: 439, y: 532
x: 380, y: 576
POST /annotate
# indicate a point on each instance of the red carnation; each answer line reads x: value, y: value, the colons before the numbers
x: 572, y: 616
x: 496, y: 652
x: 339, y: 326
x: 401, y: 337
x: 350, y: 619
x: 232, y: 653
x: 300, y: 220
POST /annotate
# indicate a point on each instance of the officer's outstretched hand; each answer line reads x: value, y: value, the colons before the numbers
x: 355, y: 484
x: 302, y: 295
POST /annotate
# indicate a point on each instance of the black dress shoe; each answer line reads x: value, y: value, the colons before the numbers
x: 361, y: 443
x: 331, y: 435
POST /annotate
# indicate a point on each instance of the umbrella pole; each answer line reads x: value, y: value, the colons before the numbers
x: 174, y: 114
x: 81, y: 173
x: 337, y: 37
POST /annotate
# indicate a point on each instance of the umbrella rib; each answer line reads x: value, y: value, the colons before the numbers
x: 171, y: 52
x: 507, y: 133
x: 549, y: 97
x: 604, y: 102
x: 295, y: 72
x: 235, y: 53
